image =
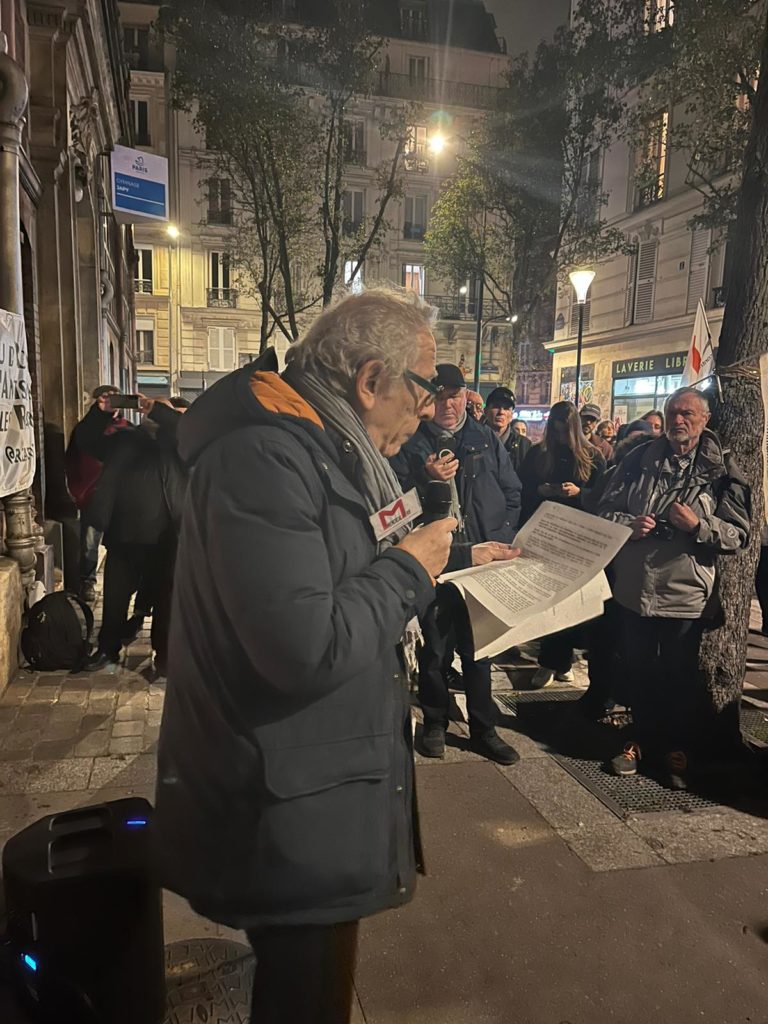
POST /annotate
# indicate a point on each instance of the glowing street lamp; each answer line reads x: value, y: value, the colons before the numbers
x: 437, y: 143
x: 581, y: 281
x: 173, y: 232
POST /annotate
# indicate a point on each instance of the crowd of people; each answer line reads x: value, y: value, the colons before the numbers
x: 285, y: 794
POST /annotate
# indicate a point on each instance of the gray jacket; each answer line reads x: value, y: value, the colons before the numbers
x: 674, y: 576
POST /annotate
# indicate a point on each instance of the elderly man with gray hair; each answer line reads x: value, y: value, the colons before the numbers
x: 687, y: 502
x: 285, y: 774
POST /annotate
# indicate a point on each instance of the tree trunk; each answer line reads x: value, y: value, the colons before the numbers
x: 739, y: 419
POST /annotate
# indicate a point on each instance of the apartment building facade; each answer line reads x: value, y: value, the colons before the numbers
x: 194, y: 320
x: 638, y: 319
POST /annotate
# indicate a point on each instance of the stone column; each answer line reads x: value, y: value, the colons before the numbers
x: 20, y: 538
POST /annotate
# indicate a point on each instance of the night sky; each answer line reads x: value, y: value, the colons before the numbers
x: 523, y: 23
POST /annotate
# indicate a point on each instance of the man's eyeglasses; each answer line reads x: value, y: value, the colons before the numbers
x: 432, y: 389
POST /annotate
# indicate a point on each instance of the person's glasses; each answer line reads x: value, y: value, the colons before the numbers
x: 433, y: 390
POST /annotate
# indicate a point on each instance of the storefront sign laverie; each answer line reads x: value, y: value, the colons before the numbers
x: 17, y: 431
x: 650, y: 366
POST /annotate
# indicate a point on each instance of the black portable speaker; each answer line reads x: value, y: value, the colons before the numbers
x: 84, y: 916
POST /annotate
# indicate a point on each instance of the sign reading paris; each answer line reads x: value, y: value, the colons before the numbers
x: 139, y: 186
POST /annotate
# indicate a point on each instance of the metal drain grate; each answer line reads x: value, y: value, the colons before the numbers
x: 637, y: 795
x: 511, y: 701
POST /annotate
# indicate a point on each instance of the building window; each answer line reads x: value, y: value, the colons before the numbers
x: 221, y: 348
x: 140, y: 122
x: 414, y: 22
x: 136, y: 44
x: 352, y: 211
x: 413, y: 278
x: 142, y: 281
x: 658, y: 15
x: 145, y: 339
x: 586, y: 384
x: 587, y: 205
x: 698, y: 268
x: 354, y: 143
x: 415, y: 218
x: 219, y: 201
x: 575, y: 316
x: 418, y: 69
x: 652, y: 160
x: 416, y: 143
x: 355, y: 284
x: 221, y: 292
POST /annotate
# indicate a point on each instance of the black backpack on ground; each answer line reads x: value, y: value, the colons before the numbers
x: 58, y: 633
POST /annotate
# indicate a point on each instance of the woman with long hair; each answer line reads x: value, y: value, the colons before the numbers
x: 563, y: 467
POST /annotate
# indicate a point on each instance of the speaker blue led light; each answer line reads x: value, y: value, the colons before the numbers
x: 136, y: 822
x: 29, y: 961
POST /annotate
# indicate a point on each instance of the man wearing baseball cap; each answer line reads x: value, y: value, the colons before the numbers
x: 591, y: 415
x: 453, y: 447
x: 499, y: 410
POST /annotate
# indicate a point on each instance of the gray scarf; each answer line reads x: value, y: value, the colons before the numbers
x: 443, y: 432
x: 379, y: 485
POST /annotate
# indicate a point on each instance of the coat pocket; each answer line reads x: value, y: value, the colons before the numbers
x: 299, y: 771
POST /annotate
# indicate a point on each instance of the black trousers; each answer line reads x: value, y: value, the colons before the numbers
x: 556, y: 650
x: 304, y: 974
x: 666, y: 690
x: 446, y: 628
x: 128, y: 567
x: 761, y: 584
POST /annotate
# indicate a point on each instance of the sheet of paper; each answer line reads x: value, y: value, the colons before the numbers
x: 556, y: 582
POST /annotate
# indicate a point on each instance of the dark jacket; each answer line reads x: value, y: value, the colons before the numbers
x: 83, y: 470
x: 536, y: 472
x: 517, y: 448
x: 139, y: 497
x: 488, y: 487
x: 285, y: 772
x: 673, y: 576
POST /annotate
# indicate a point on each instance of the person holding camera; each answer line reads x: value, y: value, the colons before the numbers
x: 137, y: 504
x: 687, y: 502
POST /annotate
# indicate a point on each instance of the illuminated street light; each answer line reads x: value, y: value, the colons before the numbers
x: 173, y: 232
x: 437, y: 143
x: 581, y: 281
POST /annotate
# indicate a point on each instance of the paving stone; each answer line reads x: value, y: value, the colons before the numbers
x: 79, y: 697
x: 46, y: 776
x: 53, y: 749
x: 8, y: 714
x: 94, y: 744
x: 702, y: 835
x: 125, y: 745
x: 129, y: 713
x: 611, y: 847
x: 556, y: 795
x: 135, y: 728
x: 156, y: 701
x: 134, y: 770
x: 154, y: 717
x: 22, y: 738
x: 57, y: 730
x: 43, y: 695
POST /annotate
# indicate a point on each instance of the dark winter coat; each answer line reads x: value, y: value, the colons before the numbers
x: 517, y: 447
x: 83, y: 470
x: 536, y: 472
x: 139, y: 497
x: 674, y: 576
x: 488, y: 487
x: 285, y: 772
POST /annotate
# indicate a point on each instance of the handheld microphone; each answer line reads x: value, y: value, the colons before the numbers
x: 437, y: 501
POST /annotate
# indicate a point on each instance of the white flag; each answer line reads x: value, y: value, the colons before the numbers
x: 700, y: 363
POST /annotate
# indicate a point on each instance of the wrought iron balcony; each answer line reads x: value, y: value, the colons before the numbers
x: 719, y: 297
x: 220, y: 217
x: 464, y: 307
x: 142, y: 285
x: 414, y: 232
x: 222, y: 298
x: 356, y: 157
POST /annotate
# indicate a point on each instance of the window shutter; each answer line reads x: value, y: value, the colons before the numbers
x: 575, y: 316
x: 214, y: 347
x: 698, y: 270
x: 629, y: 310
x: 646, y: 281
x: 227, y: 348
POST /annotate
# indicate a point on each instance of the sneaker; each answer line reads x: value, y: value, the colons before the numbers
x: 88, y: 593
x: 541, y: 677
x: 433, y: 741
x: 626, y: 762
x: 565, y: 677
x: 676, y: 764
x: 492, y: 746
x: 454, y: 680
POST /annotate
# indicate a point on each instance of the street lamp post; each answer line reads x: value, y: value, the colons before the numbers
x: 173, y: 236
x: 581, y: 281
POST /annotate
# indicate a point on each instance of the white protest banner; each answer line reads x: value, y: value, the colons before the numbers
x: 700, y: 363
x: 17, y: 432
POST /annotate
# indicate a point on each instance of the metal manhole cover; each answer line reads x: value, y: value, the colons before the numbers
x: 208, y: 981
x: 636, y: 795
